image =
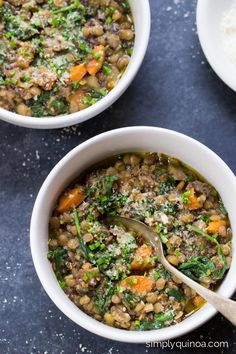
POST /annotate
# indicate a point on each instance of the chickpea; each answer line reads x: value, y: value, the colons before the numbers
x: 70, y: 57
x: 187, y: 291
x: 160, y: 283
x: 229, y: 259
x: 87, y: 266
x: 116, y: 15
x: 151, y: 298
x: 172, y: 197
x: 35, y: 91
x: 186, y: 218
x: 208, y: 204
x: 73, y: 243
x: 135, y: 160
x: 92, y: 82
x: 115, y: 299
x: 87, y: 237
x: 125, y: 25
x: 70, y: 281
x: 126, y: 159
x: 54, y: 223
x: 179, y: 315
x: 23, y: 109
x: 114, y: 58
x: 95, y: 310
x: 84, y: 300
x: 173, y: 259
x: 101, y: 40
x: 108, y: 318
x: 111, y: 84
x: 126, y: 34
x: 113, y: 41
x: 73, y: 230
x: 175, y: 240
x: 226, y: 249
x: 123, y: 62
x: 148, y: 308
x: 53, y: 243
x: 177, y: 280
x: 86, y: 31
x: 158, y: 307
x: 111, y: 171
x: 215, y: 217
x: 120, y: 166
x: 85, y: 224
x: 96, y: 30
x: 62, y: 239
x: 222, y: 231
x: 139, y: 307
x: 89, y: 307
x: 59, y: 3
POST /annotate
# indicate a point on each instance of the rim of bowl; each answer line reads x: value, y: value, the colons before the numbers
x: 90, y: 112
x: 220, y: 70
x: 77, y: 315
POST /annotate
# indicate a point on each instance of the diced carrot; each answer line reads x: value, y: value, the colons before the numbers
x: 138, y: 284
x: 214, y: 226
x: 78, y: 72
x: 1, y: 2
x: 142, y: 260
x: 71, y: 199
x: 96, y: 63
x: 194, y: 202
x: 198, y: 301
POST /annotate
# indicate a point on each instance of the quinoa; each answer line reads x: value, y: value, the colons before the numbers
x: 110, y: 272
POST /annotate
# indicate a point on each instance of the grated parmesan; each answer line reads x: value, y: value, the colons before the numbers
x: 228, y: 30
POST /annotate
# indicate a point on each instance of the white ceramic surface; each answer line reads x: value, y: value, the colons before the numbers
x: 142, y: 21
x: 209, y: 18
x: 107, y: 144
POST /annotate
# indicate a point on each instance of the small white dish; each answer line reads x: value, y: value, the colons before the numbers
x: 209, y: 18
x: 188, y: 150
x: 142, y: 22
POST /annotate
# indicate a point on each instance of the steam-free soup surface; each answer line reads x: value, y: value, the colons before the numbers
x: 61, y: 56
x: 111, y: 273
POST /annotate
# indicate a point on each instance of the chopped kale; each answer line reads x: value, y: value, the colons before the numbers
x: 198, y: 267
x: 104, y: 295
x: 58, y: 257
x: 176, y: 293
x: 222, y: 208
x: 158, y: 322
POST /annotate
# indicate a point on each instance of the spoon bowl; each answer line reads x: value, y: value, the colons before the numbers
x: 142, y: 230
x: 225, y: 306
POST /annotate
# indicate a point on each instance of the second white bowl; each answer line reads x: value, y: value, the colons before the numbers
x: 132, y: 139
x: 209, y: 18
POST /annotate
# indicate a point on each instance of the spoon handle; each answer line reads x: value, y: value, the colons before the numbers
x: 225, y: 306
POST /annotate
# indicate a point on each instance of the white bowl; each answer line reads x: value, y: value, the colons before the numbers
x: 188, y: 150
x: 142, y: 21
x: 209, y: 18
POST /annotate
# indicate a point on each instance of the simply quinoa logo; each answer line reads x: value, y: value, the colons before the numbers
x: 187, y: 344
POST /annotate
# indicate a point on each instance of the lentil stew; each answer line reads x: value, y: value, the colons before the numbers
x: 109, y: 272
x: 61, y: 56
